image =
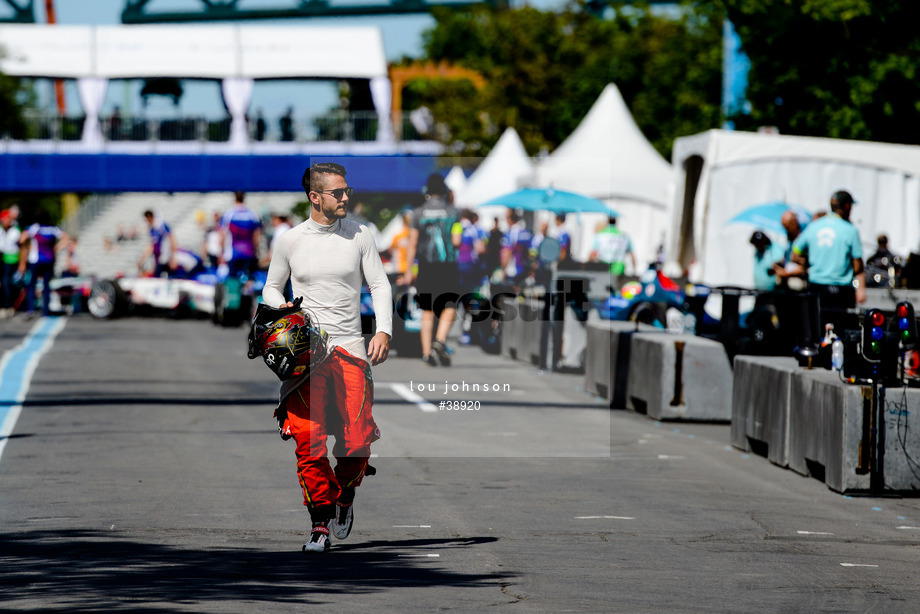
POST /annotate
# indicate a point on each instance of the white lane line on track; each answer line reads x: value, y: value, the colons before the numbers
x: 907, y: 528
x: 604, y: 517
x: 411, y: 526
x: 419, y: 556
x: 16, y: 369
x: 813, y: 533
x: 856, y: 565
x: 410, y: 396
x: 670, y: 457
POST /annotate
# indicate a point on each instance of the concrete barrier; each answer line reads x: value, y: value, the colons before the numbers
x: 761, y: 399
x: 887, y: 299
x: 598, y: 359
x: 521, y: 331
x: 532, y: 337
x: 828, y: 426
x: 830, y: 434
x: 679, y: 377
x: 607, y: 355
x: 512, y: 327
x: 901, y: 462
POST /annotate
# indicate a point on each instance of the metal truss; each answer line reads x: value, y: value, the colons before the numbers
x: 138, y: 11
x: 23, y: 11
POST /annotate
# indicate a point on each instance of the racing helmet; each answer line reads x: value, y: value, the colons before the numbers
x: 289, y: 340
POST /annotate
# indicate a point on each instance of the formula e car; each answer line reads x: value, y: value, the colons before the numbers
x: 109, y: 298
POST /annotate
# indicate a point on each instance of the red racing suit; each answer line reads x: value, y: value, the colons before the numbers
x: 335, y: 400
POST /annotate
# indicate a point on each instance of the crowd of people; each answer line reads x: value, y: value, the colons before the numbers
x: 825, y: 256
x: 30, y: 253
x: 235, y: 243
x: 439, y: 250
x: 823, y: 259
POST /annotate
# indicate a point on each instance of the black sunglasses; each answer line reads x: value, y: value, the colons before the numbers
x: 338, y: 193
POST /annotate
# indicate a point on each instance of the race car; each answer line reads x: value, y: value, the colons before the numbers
x: 647, y: 300
x: 109, y: 298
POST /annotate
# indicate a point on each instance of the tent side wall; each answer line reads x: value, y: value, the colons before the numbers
x: 888, y: 200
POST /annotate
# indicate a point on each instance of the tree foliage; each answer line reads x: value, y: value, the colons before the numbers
x: 544, y: 70
x: 13, y: 99
x: 837, y: 68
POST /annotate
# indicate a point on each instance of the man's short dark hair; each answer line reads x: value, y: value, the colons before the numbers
x: 436, y: 185
x: 313, y: 181
x: 240, y: 196
x: 148, y: 213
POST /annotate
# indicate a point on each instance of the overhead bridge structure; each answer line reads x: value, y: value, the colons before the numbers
x: 94, y: 157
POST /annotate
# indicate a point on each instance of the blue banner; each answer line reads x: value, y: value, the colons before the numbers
x: 202, y: 173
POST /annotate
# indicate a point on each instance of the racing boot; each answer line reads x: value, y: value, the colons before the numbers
x: 319, y: 537
x: 344, y: 514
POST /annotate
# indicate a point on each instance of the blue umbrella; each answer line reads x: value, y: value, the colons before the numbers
x: 550, y: 199
x: 767, y: 216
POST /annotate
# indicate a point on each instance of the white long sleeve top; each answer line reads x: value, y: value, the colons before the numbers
x: 326, y: 265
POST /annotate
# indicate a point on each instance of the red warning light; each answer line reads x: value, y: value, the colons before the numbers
x: 902, y: 310
x: 878, y: 318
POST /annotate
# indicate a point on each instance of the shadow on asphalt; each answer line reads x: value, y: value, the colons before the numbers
x: 100, y: 401
x: 88, y: 571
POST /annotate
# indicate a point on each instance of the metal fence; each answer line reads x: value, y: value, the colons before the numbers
x: 338, y: 126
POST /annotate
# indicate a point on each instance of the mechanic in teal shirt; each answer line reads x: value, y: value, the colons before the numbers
x: 767, y: 254
x: 831, y: 249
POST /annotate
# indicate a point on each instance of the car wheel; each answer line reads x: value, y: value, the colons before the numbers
x: 106, y: 299
x: 647, y: 313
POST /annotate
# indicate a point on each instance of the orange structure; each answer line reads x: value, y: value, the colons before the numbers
x: 58, y: 84
x: 400, y: 75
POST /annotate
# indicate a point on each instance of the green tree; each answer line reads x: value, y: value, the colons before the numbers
x: 837, y: 68
x: 544, y: 70
x: 13, y: 99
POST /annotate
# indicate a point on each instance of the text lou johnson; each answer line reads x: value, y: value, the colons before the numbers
x: 461, y: 386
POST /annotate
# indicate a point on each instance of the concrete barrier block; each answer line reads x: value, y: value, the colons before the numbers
x: 607, y: 354
x: 532, y: 335
x: 901, y: 463
x: 761, y: 398
x: 512, y: 328
x: 598, y: 365
x: 830, y: 433
x: 679, y: 377
x: 827, y: 426
x: 887, y: 299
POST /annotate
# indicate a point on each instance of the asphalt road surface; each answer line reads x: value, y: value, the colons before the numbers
x: 144, y: 472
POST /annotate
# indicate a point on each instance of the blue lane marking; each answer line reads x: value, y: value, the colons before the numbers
x: 16, y: 369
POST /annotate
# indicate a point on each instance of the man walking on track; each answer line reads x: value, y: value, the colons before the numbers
x: 242, y: 233
x: 325, y: 258
x: 434, y: 238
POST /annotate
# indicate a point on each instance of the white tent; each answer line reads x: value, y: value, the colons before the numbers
x: 720, y: 173
x: 504, y: 170
x: 607, y: 157
x: 456, y: 179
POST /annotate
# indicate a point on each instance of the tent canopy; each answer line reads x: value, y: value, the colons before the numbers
x: 182, y: 51
x: 501, y: 172
x: 721, y: 173
x: 607, y: 157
